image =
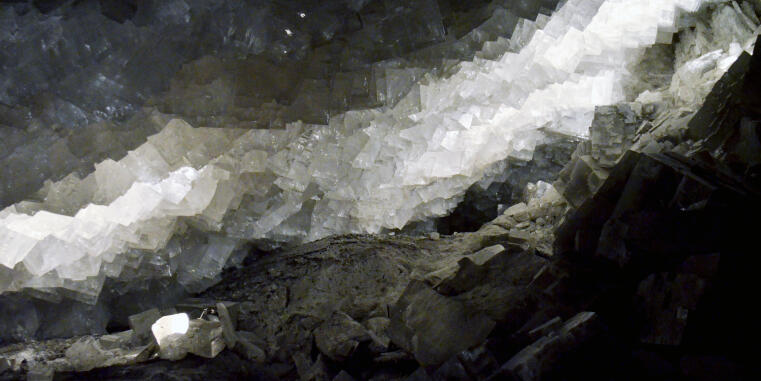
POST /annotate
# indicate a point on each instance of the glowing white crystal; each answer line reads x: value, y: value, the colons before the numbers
x: 169, y: 327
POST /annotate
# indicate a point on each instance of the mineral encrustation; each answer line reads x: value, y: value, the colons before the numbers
x: 147, y: 150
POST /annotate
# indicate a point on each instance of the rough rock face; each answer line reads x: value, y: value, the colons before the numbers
x: 432, y: 327
x: 649, y: 276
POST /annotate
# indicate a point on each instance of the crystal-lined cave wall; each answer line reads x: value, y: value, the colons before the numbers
x: 193, y: 128
x: 87, y: 81
x: 85, y: 78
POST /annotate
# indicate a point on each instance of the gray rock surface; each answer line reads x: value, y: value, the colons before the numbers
x: 141, y: 323
x: 433, y: 327
x: 339, y: 336
x: 534, y: 361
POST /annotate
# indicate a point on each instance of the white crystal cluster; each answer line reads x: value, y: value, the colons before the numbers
x: 367, y: 170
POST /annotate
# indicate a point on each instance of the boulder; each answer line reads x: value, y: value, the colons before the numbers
x: 433, y: 327
x: 537, y: 360
x: 177, y: 336
x: 339, y: 336
x: 141, y: 323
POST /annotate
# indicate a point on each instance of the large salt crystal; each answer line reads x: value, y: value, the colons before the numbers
x: 365, y: 170
x: 177, y: 335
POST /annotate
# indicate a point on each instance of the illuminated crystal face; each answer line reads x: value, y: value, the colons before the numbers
x: 365, y: 171
x: 170, y: 326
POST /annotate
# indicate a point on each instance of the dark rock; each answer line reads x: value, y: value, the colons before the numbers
x: 612, y: 131
x: 40, y: 375
x: 248, y: 350
x: 468, y: 275
x: 393, y: 357
x: 419, y: 375
x: 479, y: 362
x: 580, y: 229
x: 709, y: 367
x: 538, y: 359
x: 310, y: 370
x: 452, y: 370
x: 228, y: 327
x: 433, y: 327
x: 21, y: 320
x: 651, y: 207
x: 141, y: 323
x: 119, y: 10
x: 343, y: 376
x: 653, y: 364
x: 545, y: 328
x: 581, y: 178
x: 730, y: 91
x: 704, y: 266
x: 667, y: 301
x: 500, y: 287
x: 339, y: 336
x: 376, y: 328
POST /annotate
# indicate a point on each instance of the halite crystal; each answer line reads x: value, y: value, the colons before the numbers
x: 177, y: 335
x: 364, y: 171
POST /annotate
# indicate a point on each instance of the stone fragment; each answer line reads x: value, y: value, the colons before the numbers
x: 482, y: 256
x: 39, y: 374
x: 581, y: 179
x: 613, y: 131
x: 666, y: 301
x: 205, y: 338
x: 117, y: 340
x: 419, y: 375
x: 393, y: 357
x: 246, y: 348
x: 539, y: 358
x: 376, y: 328
x: 468, y: 275
x: 517, y: 211
x: 339, y: 336
x: 343, y: 376
x: 177, y: 335
x: 228, y: 327
x: 433, y: 327
x: 545, y: 328
x: 479, y: 362
x: 309, y: 370
x: 453, y: 264
x: 452, y: 369
x: 141, y: 323
x: 87, y: 354
x: 580, y: 229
